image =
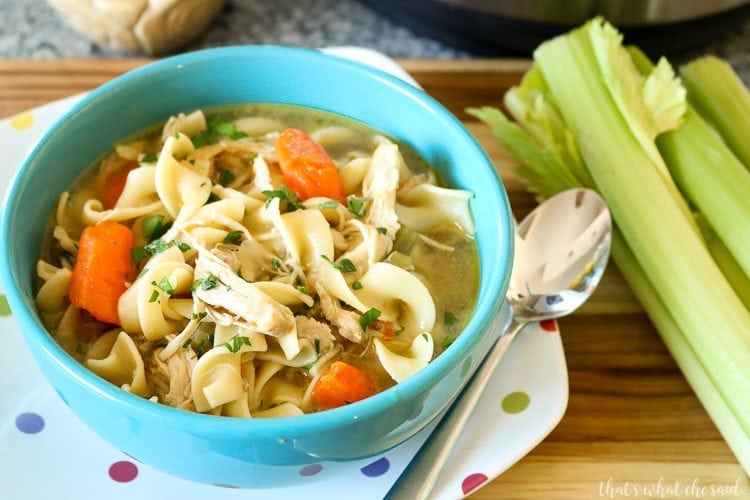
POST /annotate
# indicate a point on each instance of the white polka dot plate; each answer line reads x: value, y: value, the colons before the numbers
x: 48, y: 452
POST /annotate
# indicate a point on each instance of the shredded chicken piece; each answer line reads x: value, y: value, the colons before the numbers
x: 310, y: 328
x: 249, y: 306
x: 380, y: 184
x: 170, y: 378
x: 346, y: 321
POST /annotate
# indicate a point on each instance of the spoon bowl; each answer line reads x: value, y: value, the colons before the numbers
x: 561, y: 252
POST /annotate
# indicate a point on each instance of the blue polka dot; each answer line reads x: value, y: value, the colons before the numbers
x: 377, y: 468
x: 29, y: 423
x: 310, y: 470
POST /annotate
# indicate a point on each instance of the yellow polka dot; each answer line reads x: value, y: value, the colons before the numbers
x: 516, y: 402
x: 24, y: 121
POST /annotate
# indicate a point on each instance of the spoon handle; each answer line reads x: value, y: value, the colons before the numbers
x: 419, y: 479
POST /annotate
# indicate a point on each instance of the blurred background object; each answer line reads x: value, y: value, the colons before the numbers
x: 413, y: 29
x: 493, y: 27
x: 139, y: 26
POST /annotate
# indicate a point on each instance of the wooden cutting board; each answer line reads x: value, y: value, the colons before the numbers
x: 633, y: 425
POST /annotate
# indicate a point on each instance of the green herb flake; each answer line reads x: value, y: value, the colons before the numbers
x: 164, y: 285
x: 211, y: 281
x: 233, y: 237
x: 447, y: 341
x: 235, y: 343
x: 357, y: 206
x: 154, y: 226
x: 344, y: 265
x: 149, y: 158
x: 154, y: 296
x: 184, y: 247
x: 368, y: 317
x: 357, y: 285
x: 383, y: 230
x: 199, y: 316
x: 449, y: 318
x: 328, y: 204
x: 141, y: 252
x: 284, y: 194
x: 226, y: 177
x: 276, y: 263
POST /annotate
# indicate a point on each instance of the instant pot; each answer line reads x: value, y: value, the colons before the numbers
x: 516, y: 27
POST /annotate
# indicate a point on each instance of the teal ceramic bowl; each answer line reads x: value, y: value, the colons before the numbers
x: 253, y: 453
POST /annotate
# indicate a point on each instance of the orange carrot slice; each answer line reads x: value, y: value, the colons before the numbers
x: 103, y: 269
x: 306, y: 167
x: 342, y: 384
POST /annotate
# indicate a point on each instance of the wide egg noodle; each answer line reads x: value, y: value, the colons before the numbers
x: 402, y: 366
x: 426, y: 206
x: 52, y: 298
x: 216, y: 379
x: 138, y: 198
x: 182, y: 190
x: 400, y: 296
x: 121, y: 362
x: 144, y: 307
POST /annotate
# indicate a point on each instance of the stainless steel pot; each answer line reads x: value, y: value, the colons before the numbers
x: 516, y: 27
x: 619, y: 12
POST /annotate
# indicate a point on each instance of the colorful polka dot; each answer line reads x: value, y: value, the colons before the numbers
x: 4, y: 307
x: 123, y: 471
x: 548, y: 325
x: 23, y: 121
x: 29, y: 423
x: 466, y: 367
x: 376, y: 468
x: 472, y: 482
x: 515, y: 402
x: 310, y: 470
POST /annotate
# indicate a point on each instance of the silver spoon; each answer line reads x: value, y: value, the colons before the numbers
x: 562, y: 249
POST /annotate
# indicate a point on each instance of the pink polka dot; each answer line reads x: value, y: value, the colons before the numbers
x: 472, y: 482
x: 123, y: 471
x: 548, y: 325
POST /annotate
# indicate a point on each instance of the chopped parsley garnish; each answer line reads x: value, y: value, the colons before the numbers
x: 302, y: 289
x: 383, y: 230
x: 164, y: 285
x: 447, y: 341
x: 207, y: 283
x: 284, y: 194
x: 357, y: 285
x: 276, y: 263
x: 149, y: 250
x: 225, y: 177
x: 357, y: 206
x: 449, y: 318
x: 425, y: 337
x: 212, y: 198
x: 368, y: 317
x: 217, y: 128
x: 154, y: 296
x: 233, y: 237
x: 184, y: 247
x: 328, y: 204
x: 199, y: 316
x: 235, y: 343
x: 154, y: 226
x: 344, y: 265
x: 149, y: 158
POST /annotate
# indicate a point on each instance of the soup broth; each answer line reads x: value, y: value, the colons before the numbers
x: 258, y: 261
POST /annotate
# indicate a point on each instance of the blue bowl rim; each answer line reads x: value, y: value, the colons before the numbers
x: 485, y: 312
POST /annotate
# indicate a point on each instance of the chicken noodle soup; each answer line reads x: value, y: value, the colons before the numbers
x: 258, y: 261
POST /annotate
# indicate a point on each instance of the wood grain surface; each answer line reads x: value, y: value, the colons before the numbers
x: 633, y: 426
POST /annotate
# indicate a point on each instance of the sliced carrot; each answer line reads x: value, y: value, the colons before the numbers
x: 103, y: 270
x: 114, y: 184
x: 342, y: 384
x: 306, y: 167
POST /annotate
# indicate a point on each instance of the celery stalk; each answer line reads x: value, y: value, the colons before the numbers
x: 613, y: 115
x: 713, y: 178
x: 720, y: 96
x: 662, y: 319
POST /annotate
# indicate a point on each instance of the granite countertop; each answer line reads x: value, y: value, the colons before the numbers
x: 31, y: 29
